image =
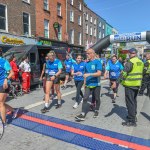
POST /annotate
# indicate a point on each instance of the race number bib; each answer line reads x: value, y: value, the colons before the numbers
x: 113, y: 74
x: 51, y: 72
x: 68, y: 66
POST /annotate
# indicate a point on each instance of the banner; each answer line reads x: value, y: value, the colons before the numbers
x: 128, y: 37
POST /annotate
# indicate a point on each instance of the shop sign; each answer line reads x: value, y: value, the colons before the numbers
x: 56, y: 25
x: 11, y: 41
x: 44, y: 42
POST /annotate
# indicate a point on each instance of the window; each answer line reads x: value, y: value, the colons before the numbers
x: 87, y: 16
x: 32, y: 58
x: 71, y: 2
x: 60, y: 32
x: 86, y: 29
x: 26, y: 24
x: 58, y: 9
x: 100, y: 24
x: 103, y: 35
x: 91, y: 19
x: 79, y: 20
x: 46, y: 28
x: 80, y: 6
x: 100, y: 35
x: 3, y: 18
x: 27, y: 1
x: 95, y: 21
x: 87, y: 44
x: 71, y: 16
x: 46, y: 5
x: 79, y: 38
x: 94, y: 32
x: 72, y: 36
x: 91, y: 30
x: 103, y: 27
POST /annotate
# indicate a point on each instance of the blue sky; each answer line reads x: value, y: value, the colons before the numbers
x: 124, y: 15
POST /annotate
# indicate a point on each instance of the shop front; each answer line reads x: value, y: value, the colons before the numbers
x: 8, y: 41
x: 61, y: 48
x: 76, y: 50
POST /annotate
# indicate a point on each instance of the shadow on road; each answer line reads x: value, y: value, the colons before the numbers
x: 146, y: 115
x: 119, y: 110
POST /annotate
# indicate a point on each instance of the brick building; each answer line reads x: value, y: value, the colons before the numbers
x: 90, y: 22
x: 51, y: 19
x: 75, y: 21
x: 17, y: 23
x: 18, y: 17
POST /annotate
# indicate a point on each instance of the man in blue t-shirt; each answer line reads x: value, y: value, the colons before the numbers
x: 93, y: 70
x: 113, y: 68
x: 68, y: 65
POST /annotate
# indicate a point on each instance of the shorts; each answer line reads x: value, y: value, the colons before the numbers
x: 115, y: 90
x: 68, y: 73
x: 56, y: 81
x: 2, y: 90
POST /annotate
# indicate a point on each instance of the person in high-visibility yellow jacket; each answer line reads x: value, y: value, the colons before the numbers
x: 131, y: 80
x: 146, y: 77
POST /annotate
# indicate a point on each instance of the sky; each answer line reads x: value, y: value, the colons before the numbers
x: 126, y: 16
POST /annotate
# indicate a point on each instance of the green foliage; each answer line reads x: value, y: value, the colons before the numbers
x: 123, y: 56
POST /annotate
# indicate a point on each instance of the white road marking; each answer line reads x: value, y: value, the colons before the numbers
x: 63, y: 95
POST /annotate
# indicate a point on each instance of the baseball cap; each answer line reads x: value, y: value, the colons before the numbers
x: 132, y: 50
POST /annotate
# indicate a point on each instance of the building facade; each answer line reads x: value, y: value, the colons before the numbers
x: 108, y: 29
x: 101, y: 28
x: 17, y: 23
x: 75, y: 25
x: 114, y: 31
x: 90, y: 27
x: 51, y: 19
x: 18, y: 17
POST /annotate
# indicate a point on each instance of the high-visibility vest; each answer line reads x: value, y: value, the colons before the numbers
x: 134, y: 78
x: 148, y: 70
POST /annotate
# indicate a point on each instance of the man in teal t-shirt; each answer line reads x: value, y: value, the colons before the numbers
x: 93, y: 69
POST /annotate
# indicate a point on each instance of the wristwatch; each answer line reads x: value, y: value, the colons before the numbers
x: 6, y: 78
x: 55, y: 76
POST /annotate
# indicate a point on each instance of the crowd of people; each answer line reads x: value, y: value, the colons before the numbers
x: 131, y: 74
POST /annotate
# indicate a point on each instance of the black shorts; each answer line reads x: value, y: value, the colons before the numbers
x: 56, y: 81
x: 116, y: 80
x: 2, y: 90
x: 68, y: 73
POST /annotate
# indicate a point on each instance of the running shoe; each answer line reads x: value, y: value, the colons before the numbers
x: 15, y: 113
x: 80, y: 117
x: 75, y: 105
x: 58, y: 106
x: 95, y: 114
x: 44, y: 110
x: 129, y: 124
x: 81, y: 100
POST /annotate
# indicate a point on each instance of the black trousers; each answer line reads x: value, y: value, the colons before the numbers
x: 145, y: 84
x: 96, y: 92
x: 131, y: 102
x: 79, y: 85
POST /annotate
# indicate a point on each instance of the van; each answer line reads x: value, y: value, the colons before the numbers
x: 34, y: 53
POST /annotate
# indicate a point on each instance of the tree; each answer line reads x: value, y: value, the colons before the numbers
x: 123, y: 56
